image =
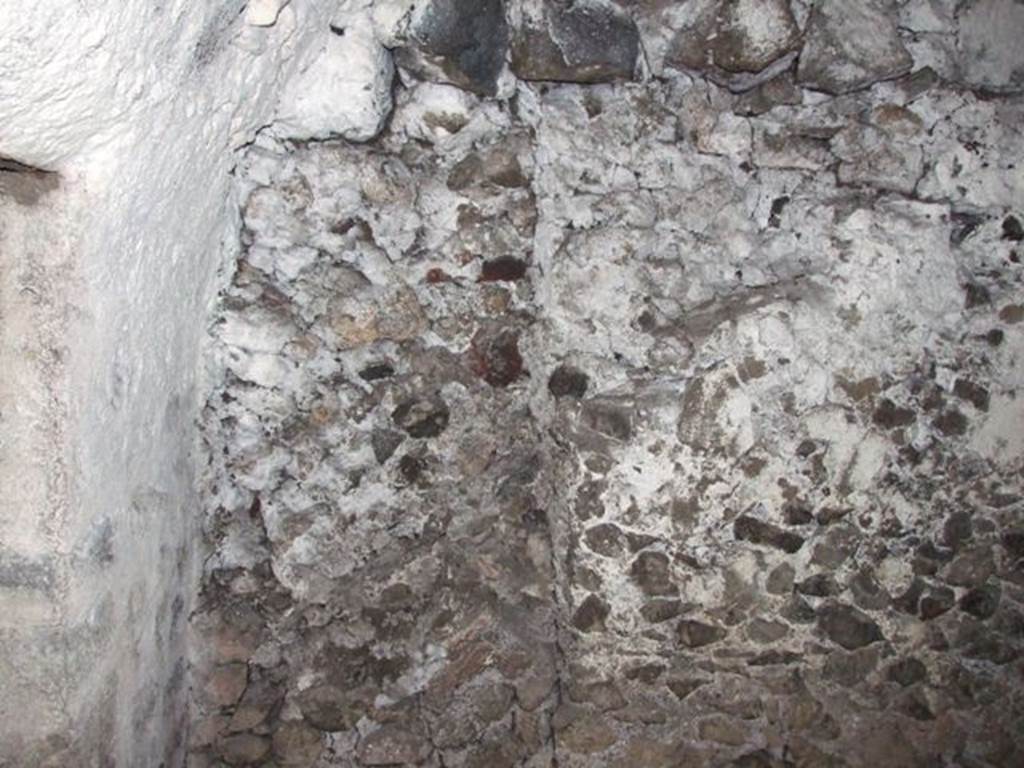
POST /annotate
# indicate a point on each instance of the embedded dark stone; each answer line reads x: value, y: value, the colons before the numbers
x: 973, y: 393
x: 850, y: 668
x: 425, y: 417
x: 244, y: 749
x: 657, y: 611
x: 697, y: 634
x: 466, y: 172
x: 979, y: 643
x: 412, y: 469
x: 459, y: 41
x: 797, y: 514
x: 505, y: 269
x: 609, y: 418
x: 394, y: 744
x: 604, y: 694
x: 683, y: 687
x: 1012, y: 314
x: 976, y: 295
x: 327, y: 708
x: 919, y: 82
x: 780, y: 580
x: 566, y: 381
x: 296, y: 745
x: 495, y: 356
x: 1013, y: 543
x: 774, y: 658
x: 806, y: 447
x: 848, y: 627
x: 761, y: 758
x: 590, y: 614
x: 888, y: 416
x: 929, y: 551
x: 965, y: 224
x: 937, y: 601
x: 906, y: 672
x: 957, y: 530
x: 588, y: 502
x: 851, y: 45
x: 916, y: 706
x: 747, y: 528
x: 497, y: 166
x: 798, y: 611
x: 868, y: 594
x: 648, y: 674
x: 981, y: 602
x: 765, y: 631
x: 582, y: 42
x: 838, y: 545
x: 951, y: 423
x: 819, y: 585
x: 384, y: 443
x: 909, y: 601
x: 1012, y: 229
x: 605, y: 539
x: 650, y: 571
x: 519, y: 473
x: 377, y: 371
x: 971, y: 568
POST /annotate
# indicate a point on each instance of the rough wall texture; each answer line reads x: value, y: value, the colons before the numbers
x: 668, y: 414
x: 106, y: 273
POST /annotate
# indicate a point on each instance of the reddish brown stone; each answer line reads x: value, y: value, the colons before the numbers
x: 495, y: 357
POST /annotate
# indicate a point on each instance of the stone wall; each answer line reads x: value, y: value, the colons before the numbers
x: 645, y: 393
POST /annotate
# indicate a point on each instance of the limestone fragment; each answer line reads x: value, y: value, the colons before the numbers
x: 345, y: 91
x: 264, y: 13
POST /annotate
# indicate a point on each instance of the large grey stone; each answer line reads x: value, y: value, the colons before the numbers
x: 585, y: 42
x: 848, y: 627
x: 849, y: 45
x: 989, y: 44
x: 734, y: 41
x: 462, y: 42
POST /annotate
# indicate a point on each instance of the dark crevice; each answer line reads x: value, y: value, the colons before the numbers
x: 25, y: 184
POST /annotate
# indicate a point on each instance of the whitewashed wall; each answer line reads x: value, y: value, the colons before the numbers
x: 107, y: 267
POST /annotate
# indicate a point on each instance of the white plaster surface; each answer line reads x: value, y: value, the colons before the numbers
x: 105, y: 281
